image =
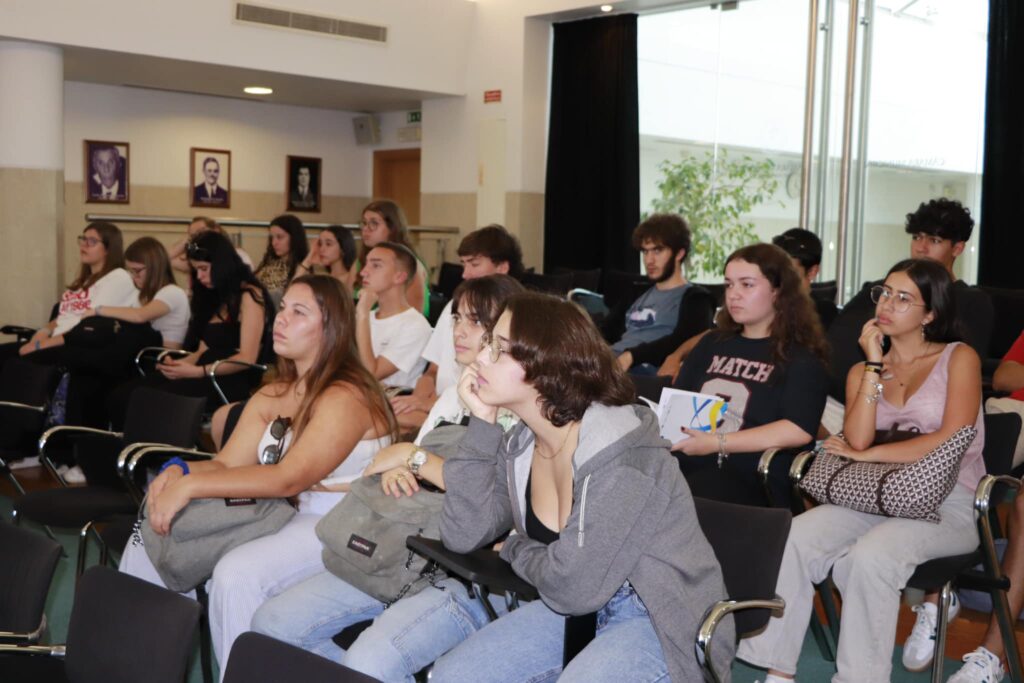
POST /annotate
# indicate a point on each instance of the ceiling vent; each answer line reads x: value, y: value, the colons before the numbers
x: 300, y: 21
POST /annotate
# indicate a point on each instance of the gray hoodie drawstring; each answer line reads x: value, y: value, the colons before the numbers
x: 583, y: 510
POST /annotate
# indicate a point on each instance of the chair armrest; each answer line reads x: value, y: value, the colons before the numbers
x: 24, y: 406
x: 31, y: 638
x: 709, y: 624
x: 211, y: 372
x: 123, y: 460
x: 23, y: 334
x: 764, y: 464
x: 483, y: 567
x: 57, y: 651
x: 158, y: 353
x: 983, y: 505
x: 797, y: 469
x: 158, y: 450
x: 67, y: 430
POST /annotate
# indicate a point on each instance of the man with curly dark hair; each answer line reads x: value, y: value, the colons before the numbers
x: 939, y: 230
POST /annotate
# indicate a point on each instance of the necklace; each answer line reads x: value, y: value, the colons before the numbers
x: 554, y: 455
x: 890, y: 369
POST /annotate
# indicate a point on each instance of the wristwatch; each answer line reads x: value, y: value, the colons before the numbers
x: 416, y: 460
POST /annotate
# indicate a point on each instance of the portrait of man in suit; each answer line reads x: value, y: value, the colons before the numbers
x: 303, y: 184
x: 210, y: 178
x: 106, y: 172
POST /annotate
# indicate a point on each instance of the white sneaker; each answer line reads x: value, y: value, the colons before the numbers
x: 980, y: 666
x: 30, y: 461
x: 919, y: 649
x: 74, y: 475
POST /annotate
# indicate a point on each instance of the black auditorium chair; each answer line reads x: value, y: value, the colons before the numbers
x: 826, y: 291
x: 122, y: 630
x: 154, y: 417
x: 581, y: 279
x: 558, y: 284
x: 25, y: 392
x: 717, y: 292
x: 27, y: 562
x: 449, y: 278
x: 256, y: 657
x: 150, y: 355
x: 1001, y: 431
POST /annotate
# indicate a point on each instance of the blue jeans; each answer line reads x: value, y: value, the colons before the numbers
x: 403, y: 639
x: 526, y: 646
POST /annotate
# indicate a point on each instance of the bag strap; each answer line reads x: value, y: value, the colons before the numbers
x: 831, y: 480
x: 881, y: 487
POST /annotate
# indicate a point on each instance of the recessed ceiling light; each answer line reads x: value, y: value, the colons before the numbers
x: 259, y: 90
x: 606, y: 8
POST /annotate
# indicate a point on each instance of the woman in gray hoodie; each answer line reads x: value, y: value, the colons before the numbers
x: 601, y: 518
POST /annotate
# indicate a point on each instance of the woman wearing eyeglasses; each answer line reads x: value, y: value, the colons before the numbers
x: 231, y: 316
x: 102, y: 281
x: 162, y: 303
x: 766, y: 359
x: 289, y: 442
x: 601, y: 519
x: 929, y: 382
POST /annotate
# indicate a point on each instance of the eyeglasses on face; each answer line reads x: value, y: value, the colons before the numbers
x: 273, y: 453
x: 137, y: 271
x: 901, y: 300
x: 86, y: 241
x: 490, y: 342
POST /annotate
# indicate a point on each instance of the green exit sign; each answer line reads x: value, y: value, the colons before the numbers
x: 414, y: 117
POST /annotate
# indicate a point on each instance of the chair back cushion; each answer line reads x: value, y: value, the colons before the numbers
x: 748, y: 542
x: 125, y: 630
x: 27, y: 562
x: 256, y: 657
x: 162, y: 417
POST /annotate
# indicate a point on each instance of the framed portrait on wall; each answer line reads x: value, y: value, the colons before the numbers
x: 303, y: 184
x: 106, y: 172
x: 210, y: 173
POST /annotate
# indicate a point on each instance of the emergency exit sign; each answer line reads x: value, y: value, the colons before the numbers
x: 414, y: 117
x: 492, y: 96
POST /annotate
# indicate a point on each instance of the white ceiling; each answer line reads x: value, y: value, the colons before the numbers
x: 114, y: 68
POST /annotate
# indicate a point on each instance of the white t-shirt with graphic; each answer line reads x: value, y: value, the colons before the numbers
x: 173, y: 325
x: 400, y: 338
x: 113, y: 289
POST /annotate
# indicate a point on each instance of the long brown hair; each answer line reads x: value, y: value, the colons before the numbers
x: 110, y: 235
x: 564, y: 357
x: 394, y: 218
x: 150, y: 253
x: 338, y: 360
x: 795, y: 320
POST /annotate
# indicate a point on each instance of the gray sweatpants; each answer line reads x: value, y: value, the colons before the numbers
x: 871, y: 557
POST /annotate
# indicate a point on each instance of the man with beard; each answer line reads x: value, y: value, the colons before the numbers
x: 671, y: 311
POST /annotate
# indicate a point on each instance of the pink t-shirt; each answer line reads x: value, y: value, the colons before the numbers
x: 923, y: 413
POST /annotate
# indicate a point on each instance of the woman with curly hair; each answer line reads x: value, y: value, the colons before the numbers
x: 766, y: 359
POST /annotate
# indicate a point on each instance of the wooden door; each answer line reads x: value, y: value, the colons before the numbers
x: 396, y: 176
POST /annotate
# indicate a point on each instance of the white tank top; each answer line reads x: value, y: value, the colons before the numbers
x: 351, y: 468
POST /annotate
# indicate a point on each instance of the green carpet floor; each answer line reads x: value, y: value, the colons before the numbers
x: 812, y: 668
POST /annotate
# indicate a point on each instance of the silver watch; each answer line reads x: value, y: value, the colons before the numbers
x: 416, y: 460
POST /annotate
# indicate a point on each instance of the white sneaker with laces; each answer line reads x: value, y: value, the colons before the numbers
x: 919, y: 648
x: 980, y: 666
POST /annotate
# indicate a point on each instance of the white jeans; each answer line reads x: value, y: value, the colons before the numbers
x: 870, y: 557
x: 246, y: 577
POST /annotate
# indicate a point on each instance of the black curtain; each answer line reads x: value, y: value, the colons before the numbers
x: 1002, y: 226
x: 592, y: 194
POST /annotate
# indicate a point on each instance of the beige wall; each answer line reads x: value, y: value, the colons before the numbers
x: 30, y: 216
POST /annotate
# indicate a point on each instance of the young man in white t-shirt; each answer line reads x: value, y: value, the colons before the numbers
x: 491, y: 250
x: 391, y: 338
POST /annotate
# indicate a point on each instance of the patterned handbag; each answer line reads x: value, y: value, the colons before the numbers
x: 909, y: 490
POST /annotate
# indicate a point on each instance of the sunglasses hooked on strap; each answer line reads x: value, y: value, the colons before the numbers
x: 272, y: 454
x: 196, y: 253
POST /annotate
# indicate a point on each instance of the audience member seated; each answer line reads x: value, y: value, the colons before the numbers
x: 602, y: 520
x: 925, y: 382
x: 231, y: 316
x: 384, y: 221
x: 1009, y: 377
x: 161, y: 303
x: 319, y: 378
x: 483, y: 252
x: 938, y: 230
x: 199, y: 225
x: 391, y: 336
x: 286, y: 249
x: 671, y: 311
x: 102, y: 281
x: 804, y: 247
x: 311, y: 613
x: 766, y: 358
x: 334, y: 251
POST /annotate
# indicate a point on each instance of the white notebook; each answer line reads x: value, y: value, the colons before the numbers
x: 678, y: 409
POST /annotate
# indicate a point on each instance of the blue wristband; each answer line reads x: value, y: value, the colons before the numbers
x: 37, y: 344
x: 176, y: 461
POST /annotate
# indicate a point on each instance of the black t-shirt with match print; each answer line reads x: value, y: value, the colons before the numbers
x: 759, y: 391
